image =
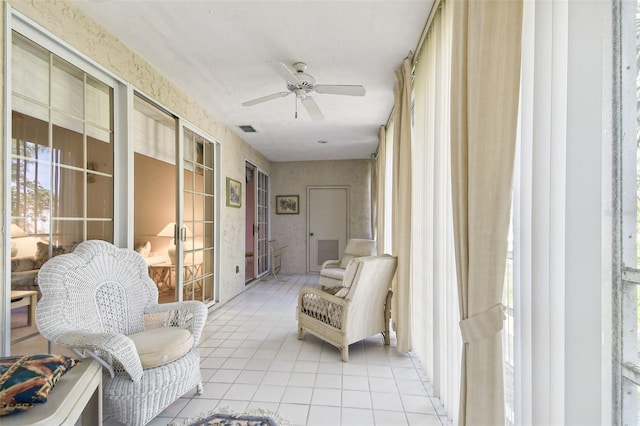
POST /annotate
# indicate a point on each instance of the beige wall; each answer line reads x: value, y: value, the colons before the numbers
x: 68, y: 23
x: 293, y: 178
x: 153, y: 209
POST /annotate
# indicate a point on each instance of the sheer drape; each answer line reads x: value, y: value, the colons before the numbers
x: 484, y: 100
x: 373, y: 190
x: 381, y: 164
x: 401, y: 215
x: 436, y: 335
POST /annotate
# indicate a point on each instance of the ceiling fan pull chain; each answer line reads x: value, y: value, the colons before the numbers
x: 296, y: 101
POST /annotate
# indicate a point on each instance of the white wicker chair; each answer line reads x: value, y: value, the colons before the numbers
x: 360, y: 308
x: 94, y: 301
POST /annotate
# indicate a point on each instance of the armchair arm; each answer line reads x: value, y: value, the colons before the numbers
x: 331, y: 264
x: 322, y: 294
x: 324, y: 307
x: 189, y: 314
x: 118, y: 346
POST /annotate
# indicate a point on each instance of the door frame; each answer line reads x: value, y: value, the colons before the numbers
x: 256, y: 255
x: 215, y: 187
x: 308, y: 228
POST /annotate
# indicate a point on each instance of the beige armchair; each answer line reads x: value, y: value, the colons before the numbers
x: 332, y: 271
x: 100, y: 302
x: 360, y: 307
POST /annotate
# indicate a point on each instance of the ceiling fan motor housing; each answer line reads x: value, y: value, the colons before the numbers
x: 305, y: 85
x: 306, y: 82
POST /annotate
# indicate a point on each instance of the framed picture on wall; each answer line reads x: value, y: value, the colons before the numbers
x: 234, y: 193
x: 287, y: 204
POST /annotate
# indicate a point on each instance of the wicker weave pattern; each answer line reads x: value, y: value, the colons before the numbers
x: 136, y: 403
x: 322, y: 310
x: 97, y: 295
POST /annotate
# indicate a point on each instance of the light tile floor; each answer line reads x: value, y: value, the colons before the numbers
x: 251, y: 358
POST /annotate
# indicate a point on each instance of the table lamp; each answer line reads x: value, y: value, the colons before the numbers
x: 169, y: 231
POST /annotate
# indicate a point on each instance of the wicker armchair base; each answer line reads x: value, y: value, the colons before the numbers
x: 136, y: 403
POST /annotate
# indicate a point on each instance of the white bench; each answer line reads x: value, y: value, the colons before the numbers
x: 77, y: 395
x: 25, y: 298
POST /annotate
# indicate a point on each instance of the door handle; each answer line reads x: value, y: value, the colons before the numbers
x: 311, y: 234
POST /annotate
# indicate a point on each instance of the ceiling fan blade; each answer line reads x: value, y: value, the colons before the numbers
x: 266, y: 98
x: 285, y: 72
x: 336, y: 89
x: 312, y: 108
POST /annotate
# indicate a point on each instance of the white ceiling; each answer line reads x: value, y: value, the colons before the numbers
x: 221, y: 54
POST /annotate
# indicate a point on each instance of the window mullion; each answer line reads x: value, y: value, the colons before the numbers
x: 631, y: 372
x: 630, y: 275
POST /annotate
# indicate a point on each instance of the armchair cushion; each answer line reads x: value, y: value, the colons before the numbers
x: 159, y: 346
x: 334, y: 273
x: 22, y: 264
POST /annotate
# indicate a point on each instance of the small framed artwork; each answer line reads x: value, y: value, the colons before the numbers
x: 287, y: 204
x: 234, y: 193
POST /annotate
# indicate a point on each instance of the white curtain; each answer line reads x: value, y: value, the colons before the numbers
x: 436, y: 336
x: 484, y: 103
x: 373, y: 191
x: 381, y: 160
x: 401, y: 214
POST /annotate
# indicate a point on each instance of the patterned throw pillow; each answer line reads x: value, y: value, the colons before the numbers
x: 42, y: 253
x: 27, y: 380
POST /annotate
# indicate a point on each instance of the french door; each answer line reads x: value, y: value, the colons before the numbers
x: 198, y: 230
x: 59, y: 156
x: 174, y: 204
x: 257, y: 222
x: 262, y: 222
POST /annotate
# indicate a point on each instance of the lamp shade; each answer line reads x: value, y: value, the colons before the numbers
x: 169, y: 229
x: 17, y: 232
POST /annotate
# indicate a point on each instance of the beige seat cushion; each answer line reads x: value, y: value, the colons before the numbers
x: 335, y: 273
x: 159, y: 346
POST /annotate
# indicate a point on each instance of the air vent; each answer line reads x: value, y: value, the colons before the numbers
x: 247, y: 128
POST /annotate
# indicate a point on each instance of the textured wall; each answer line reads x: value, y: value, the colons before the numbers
x: 293, y: 178
x: 67, y: 22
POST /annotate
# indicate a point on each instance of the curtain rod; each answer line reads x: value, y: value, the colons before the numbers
x: 423, y: 36
x: 425, y: 30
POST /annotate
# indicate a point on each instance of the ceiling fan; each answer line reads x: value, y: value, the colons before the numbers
x: 302, y: 84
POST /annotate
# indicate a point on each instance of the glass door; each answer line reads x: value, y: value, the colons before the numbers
x: 262, y: 222
x: 155, y: 194
x: 197, y: 231
x: 62, y: 170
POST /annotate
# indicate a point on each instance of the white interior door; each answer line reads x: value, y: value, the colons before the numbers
x: 328, y: 224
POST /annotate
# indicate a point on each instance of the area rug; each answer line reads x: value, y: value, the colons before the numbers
x: 226, y: 417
